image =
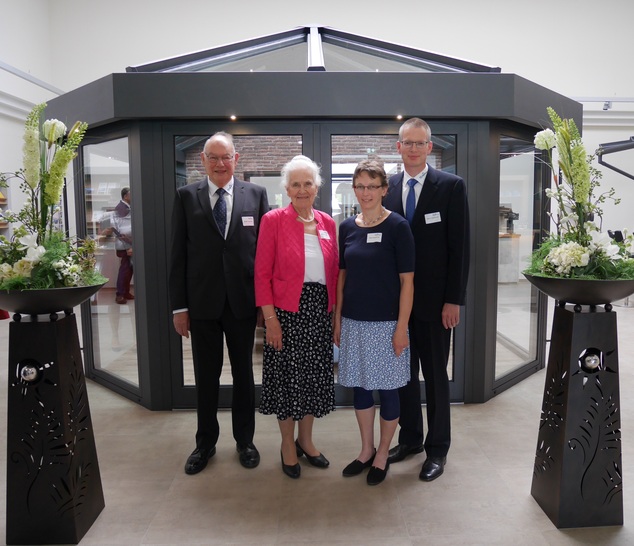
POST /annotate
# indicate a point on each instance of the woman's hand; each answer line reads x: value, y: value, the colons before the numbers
x: 274, y: 333
x: 336, y: 329
x: 400, y: 340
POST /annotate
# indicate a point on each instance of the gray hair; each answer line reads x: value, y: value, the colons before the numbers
x: 300, y: 162
x: 416, y: 123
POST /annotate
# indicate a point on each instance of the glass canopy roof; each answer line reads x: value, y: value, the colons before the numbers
x: 312, y: 49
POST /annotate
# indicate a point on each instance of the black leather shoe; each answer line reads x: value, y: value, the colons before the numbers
x: 356, y: 467
x: 291, y: 470
x: 319, y: 461
x: 377, y: 475
x: 399, y: 452
x: 249, y: 455
x: 433, y: 467
x: 197, y: 461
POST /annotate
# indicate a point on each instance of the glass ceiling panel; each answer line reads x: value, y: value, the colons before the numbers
x: 340, y: 59
x: 287, y: 59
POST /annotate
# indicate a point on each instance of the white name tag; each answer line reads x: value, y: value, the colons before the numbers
x: 432, y: 217
x: 248, y: 221
x: 324, y: 234
x: 374, y: 237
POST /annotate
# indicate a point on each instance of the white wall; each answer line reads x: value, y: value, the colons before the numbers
x: 579, y: 48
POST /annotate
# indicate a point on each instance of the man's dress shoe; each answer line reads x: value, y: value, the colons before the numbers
x: 197, y: 461
x: 433, y: 467
x: 399, y: 452
x: 319, y: 460
x: 249, y: 455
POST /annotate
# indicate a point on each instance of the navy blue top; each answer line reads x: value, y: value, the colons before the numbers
x: 373, y: 257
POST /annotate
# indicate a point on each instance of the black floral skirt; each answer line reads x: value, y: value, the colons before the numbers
x: 298, y: 380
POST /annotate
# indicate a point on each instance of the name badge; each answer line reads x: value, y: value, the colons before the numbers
x: 432, y: 218
x: 248, y: 221
x: 324, y: 234
x: 374, y: 237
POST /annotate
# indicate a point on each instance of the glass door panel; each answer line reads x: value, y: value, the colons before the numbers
x: 516, y: 343
x: 260, y: 162
x: 106, y: 173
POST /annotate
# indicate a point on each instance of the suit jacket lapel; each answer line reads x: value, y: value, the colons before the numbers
x: 430, y: 187
x: 205, y: 203
x: 397, y: 198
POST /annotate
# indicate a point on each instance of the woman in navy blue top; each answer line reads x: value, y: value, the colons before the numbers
x: 374, y: 299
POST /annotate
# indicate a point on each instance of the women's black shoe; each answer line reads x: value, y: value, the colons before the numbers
x: 319, y: 461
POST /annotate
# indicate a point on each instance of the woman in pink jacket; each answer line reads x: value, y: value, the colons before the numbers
x: 296, y: 268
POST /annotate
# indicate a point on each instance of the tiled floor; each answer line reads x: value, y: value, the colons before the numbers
x: 483, y: 498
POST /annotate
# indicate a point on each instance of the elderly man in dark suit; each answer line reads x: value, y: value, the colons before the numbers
x: 435, y: 204
x: 215, y: 225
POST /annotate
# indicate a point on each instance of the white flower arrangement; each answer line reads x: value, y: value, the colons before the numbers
x: 578, y: 248
x: 39, y: 255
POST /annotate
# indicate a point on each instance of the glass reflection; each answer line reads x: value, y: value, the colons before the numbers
x: 260, y: 162
x: 516, y: 311
x: 109, y: 221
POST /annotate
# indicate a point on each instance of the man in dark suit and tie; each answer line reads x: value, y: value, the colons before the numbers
x: 215, y: 225
x: 435, y: 204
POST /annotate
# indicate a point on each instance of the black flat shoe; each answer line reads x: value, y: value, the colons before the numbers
x: 248, y: 455
x: 356, y: 467
x: 197, y: 461
x: 377, y: 475
x: 399, y: 452
x: 319, y: 461
x: 291, y: 470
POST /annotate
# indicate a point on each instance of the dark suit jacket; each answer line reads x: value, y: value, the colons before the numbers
x: 442, y: 247
x: 206, y: 270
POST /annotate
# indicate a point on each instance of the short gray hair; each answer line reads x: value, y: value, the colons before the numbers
x: 300, y: 162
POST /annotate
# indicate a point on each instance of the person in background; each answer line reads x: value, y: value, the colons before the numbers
x: 435, y: 205
x: 374, y: 301
x: 121, y: 228
x: 215, y: 225
x: 296, y: 269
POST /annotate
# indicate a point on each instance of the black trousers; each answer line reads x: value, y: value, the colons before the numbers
x: 430, y: 343
x: 207, y: 349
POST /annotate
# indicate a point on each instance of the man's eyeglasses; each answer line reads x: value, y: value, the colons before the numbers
x: 213, y: 159
x: 411, y: 143
x: 371, y: 187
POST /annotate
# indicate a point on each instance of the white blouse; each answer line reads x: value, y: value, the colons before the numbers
x: 315, y: 270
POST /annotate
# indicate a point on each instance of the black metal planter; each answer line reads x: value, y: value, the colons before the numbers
x: 54, y: 491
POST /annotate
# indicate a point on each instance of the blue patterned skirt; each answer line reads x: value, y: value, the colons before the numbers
x: 366, y: 356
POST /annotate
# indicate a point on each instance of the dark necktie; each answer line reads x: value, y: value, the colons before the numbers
x: 220, y: 211
x: 410, y: 201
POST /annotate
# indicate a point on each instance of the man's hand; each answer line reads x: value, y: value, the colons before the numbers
x: 181, y: 323
x: 450, y: 315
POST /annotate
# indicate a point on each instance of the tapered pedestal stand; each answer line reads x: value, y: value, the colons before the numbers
x: 577, y: 478
x: 54, y: 491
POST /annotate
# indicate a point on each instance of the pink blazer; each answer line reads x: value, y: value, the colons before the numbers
x: 280, y: 263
